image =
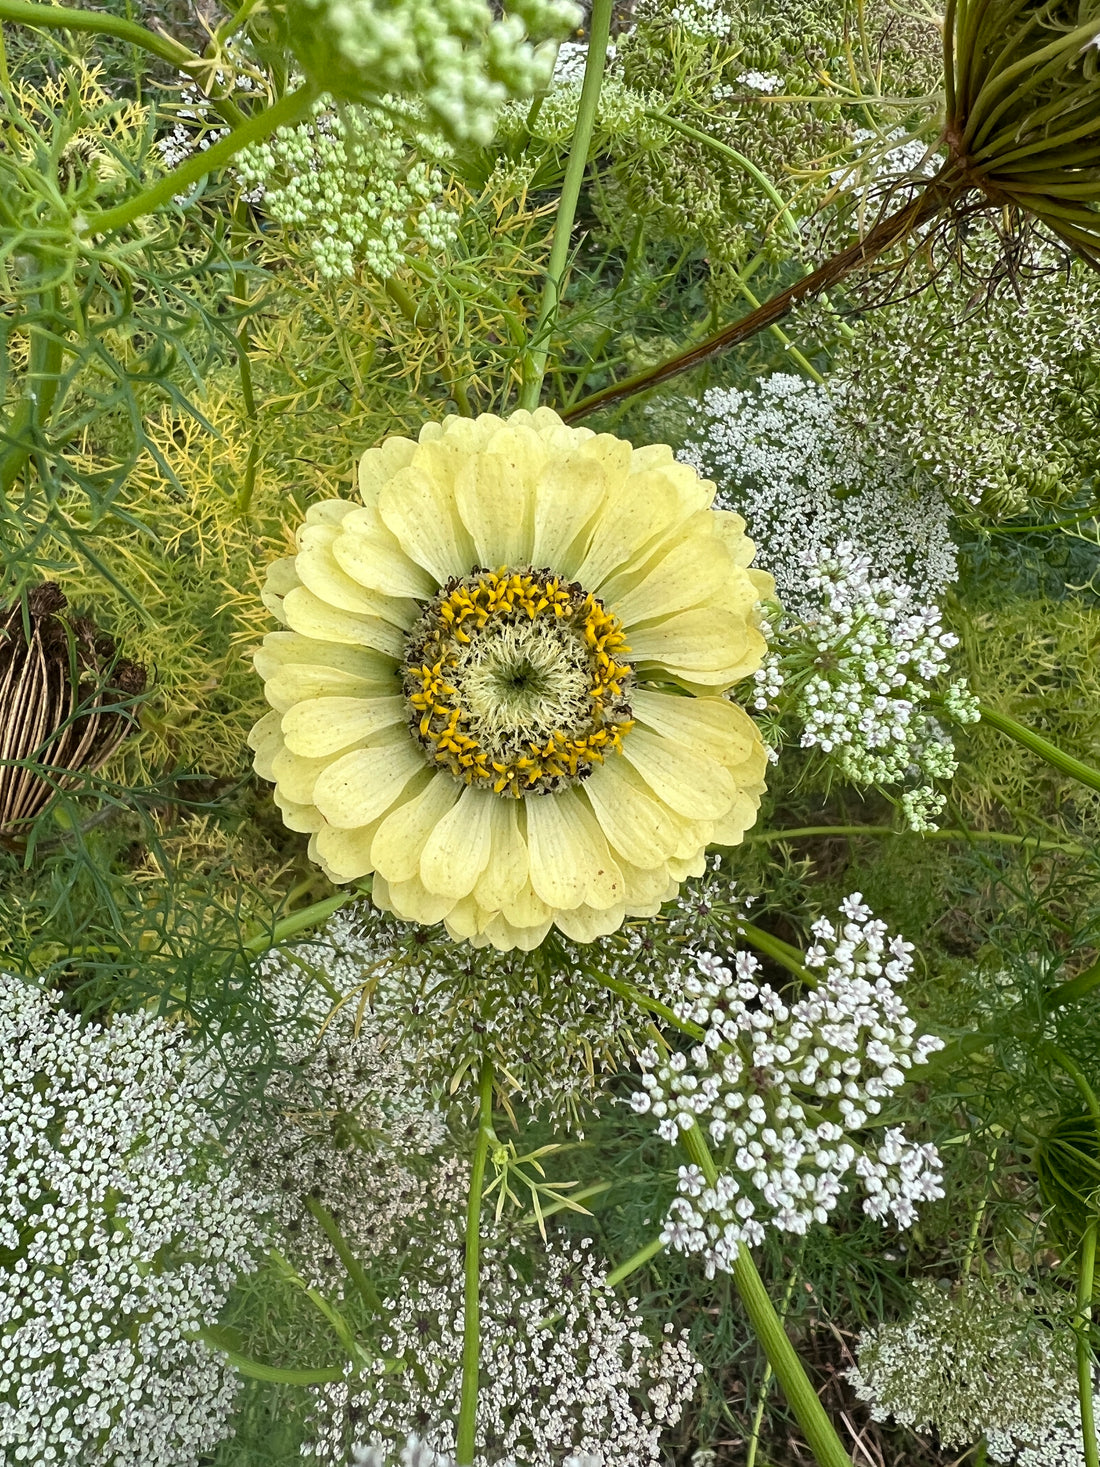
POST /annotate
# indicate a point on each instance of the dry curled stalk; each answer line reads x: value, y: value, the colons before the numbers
x: 63, y: 696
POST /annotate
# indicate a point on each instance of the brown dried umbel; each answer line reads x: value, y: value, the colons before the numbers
x: 63, y: 699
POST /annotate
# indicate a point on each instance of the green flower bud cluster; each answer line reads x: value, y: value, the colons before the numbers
x: 347, y: 179
x: 460, y: 62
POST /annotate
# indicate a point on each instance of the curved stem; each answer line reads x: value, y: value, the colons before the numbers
x: 534, y: 366
x: 783, y: 208
x: 937, y: 197
x: 471, y: 1352
x: 285, y: 111
x: 99, y: 22
x: 818, y: 1430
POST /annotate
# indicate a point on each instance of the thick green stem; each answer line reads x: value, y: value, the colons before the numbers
x: 471, y: 1341
x: 1085, y: 1275
x: 43, y: 377
x: 534, y: 366
x: 1051, y: 753
x: 98, y: 22
x: 1075, y: 988
x: 818, y: 1430
x: 634, y: 1262
x: 283, y: 113
x: 353, y: 1267
x: 302, y: 921
x: 779, y: 951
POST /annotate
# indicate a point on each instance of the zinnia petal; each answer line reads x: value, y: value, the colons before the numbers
x: 473, y: 699
x: 359, y: 787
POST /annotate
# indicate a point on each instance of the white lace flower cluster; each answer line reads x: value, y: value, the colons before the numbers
x: 783, y: 1089
x: 122, y: 1230
x: 418, y: 1453
x: 804, y: 480
x: 452, y: 54
x: 346, y: 1118
x: 1015, y: 366
x: 567, y: 1370
x: 858, y: 676
x: 973, y: 1363
x: 555, y: 1037
x: 347, y: 179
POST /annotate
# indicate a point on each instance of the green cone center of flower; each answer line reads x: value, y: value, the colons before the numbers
x: 516, y: 681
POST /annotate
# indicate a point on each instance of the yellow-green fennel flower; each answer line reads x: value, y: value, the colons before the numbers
x: 501, y: 685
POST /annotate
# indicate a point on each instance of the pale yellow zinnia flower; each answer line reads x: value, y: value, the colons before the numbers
x: 501, y: 685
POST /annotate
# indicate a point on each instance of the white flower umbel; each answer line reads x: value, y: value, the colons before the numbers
x: 553, y: 1032
x: 122, y: 1229
x: 417, y: 1453
x: 567, y: 1371
x: 788, y: 1093
x: 783, y: 456
x: 971, y: 1363
x: 858, y: 676
x: 347, y: 1123
x: 994, y: 400
x: 349, y: 181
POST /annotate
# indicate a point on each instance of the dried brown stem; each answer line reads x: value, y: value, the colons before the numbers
x: 940, y: 195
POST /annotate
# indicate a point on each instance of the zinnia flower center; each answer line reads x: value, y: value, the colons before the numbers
x: 516, y: 680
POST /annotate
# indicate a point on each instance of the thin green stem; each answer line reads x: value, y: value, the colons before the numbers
x: 302, y: 921
x: 783, y: 214
x: 779, y: 951
x: 471, y: 1343
x: 286, y: 110
x: 534, y: 366
x: 1086, y: 1271
x: 782, y: 337
x: 650, y: 1005
x: 820, y: 1434
x: 998, y: 837
x: 634, y: 1262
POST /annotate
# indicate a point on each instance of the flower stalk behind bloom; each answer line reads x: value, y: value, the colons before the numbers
x: 501, y: 684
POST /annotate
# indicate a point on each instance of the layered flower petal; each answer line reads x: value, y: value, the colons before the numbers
x: 476, y: 698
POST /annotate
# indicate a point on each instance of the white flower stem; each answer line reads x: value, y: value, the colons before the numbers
x: 534, y: 366
x: 471, y: 1352
x: 818, y: 1430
